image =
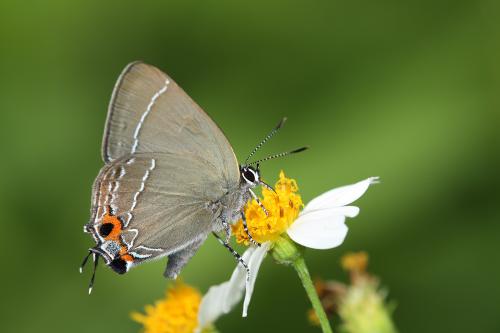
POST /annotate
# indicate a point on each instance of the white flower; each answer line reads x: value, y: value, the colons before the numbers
x: 321, y: 225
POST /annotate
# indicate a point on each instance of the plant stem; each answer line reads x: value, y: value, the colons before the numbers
x: 286, y: 252
x: 300, y: 266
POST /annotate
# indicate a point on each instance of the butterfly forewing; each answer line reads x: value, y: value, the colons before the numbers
x: 149, y: 112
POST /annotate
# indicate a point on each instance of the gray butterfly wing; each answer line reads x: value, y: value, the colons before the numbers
x: 149, y: 112
x: 166, y: 202
x: 167, y: 167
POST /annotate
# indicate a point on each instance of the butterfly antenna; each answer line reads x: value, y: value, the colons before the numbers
x: 270, y: 135
x: 96, y: 261
x: 85, y: 261
x: 280, y: 155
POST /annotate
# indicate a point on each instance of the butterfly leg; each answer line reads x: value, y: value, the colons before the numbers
x: 245, y: 227
x: 234, y: 253
x: 227, y: 229
x: 256, y: 198
x: 177, y: 260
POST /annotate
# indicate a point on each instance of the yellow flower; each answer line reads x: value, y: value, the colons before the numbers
x: 176, y: 313
x: 282, y: 207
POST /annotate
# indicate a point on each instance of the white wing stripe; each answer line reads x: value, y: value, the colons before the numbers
x: 142, y: 247
x: 141, y: 189
x: 140, y: 256
x: 115, y: 189
x: 105, y: 196
x: 110, y: 188
x: 129, y: 245
x: 145, y: 114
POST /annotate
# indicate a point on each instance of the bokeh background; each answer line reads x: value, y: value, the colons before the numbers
x: 406, y: 90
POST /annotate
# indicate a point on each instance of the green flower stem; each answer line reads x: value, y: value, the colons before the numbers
x: 286, y: 252
x: 301, y: 269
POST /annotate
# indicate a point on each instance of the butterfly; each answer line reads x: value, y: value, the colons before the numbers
x: 170, y: 177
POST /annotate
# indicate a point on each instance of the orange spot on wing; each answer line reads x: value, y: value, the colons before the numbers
x: 117, y: 227
x: 114, y: 235
x: 127, y: 257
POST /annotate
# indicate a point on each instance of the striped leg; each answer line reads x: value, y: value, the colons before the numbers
x: 245, y: 227
x: 256, y: 198
x: 227, y: 229
x: 234, y: 253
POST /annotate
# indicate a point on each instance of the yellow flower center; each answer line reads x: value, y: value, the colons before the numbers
x: 283, y: 208
x: 176, y: 313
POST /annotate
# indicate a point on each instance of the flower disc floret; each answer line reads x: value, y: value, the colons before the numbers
x: 283, y: 208
x: 176, y: 313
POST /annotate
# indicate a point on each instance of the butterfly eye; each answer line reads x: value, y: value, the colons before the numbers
x: 106, y: 229
x: 249, y: 175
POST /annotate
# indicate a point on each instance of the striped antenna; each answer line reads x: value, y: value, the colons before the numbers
x: 280, y: 155
x: 85, y: 261
x: 270, y: 135
x: 92, y: 279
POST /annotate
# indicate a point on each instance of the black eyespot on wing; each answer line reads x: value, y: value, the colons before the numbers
x: 105, y: 229
x: 119, y: 265
x: 249, y: 175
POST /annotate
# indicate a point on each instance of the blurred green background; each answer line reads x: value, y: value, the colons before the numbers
x: 406, y: 90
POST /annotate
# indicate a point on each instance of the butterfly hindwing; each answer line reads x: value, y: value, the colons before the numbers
x: 160, y: 212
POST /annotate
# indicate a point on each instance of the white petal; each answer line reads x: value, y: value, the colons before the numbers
x: 220, y: 299
x: 320, y: 229
x: 238, y: 281
x: 212, y: 305
x: 340, y: 196
x: 349, y: 211
x: 253, y: 266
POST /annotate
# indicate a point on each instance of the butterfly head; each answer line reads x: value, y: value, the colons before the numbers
x: 250, y: 175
